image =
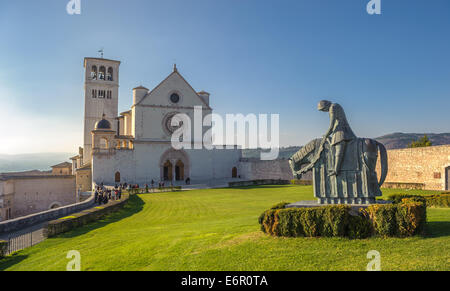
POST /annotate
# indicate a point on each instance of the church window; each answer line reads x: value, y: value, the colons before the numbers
x: 102, y: 73
x: 101, y: 94
x: 174, y: 98
x: 94, y: 73
x: 109, y: 76
x: 168, y: 123
x: 94, y: 93
x: 109, y: 94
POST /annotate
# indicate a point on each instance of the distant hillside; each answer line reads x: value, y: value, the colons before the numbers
x: 27, y: 162
x: 401, y: 140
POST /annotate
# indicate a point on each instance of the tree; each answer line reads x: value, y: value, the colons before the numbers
x: 421, y: 142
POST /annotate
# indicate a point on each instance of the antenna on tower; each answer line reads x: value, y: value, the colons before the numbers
x: 101, y: 51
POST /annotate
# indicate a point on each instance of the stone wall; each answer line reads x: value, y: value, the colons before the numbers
x: 427, y: 166
x: 255, y: 169
x: 84, y: 179
x: 25, y: 195
x: 258, y: 183
x: 30, y: 220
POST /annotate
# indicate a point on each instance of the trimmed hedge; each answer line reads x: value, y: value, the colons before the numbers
x: 161, y: 189
x: 387, y: 220
x: 439, y: 200
x: 87, y: 216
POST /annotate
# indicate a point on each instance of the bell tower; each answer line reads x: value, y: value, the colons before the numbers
x: 101, y: 96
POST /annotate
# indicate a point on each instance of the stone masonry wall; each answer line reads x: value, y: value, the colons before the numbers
x: 250, y: 169
x: 426, y: 165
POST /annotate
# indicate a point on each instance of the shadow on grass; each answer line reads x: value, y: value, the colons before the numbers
x: 11, y: 261
x: 437, y: 229
x: 135, y: 204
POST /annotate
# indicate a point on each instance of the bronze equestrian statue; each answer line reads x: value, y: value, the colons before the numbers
x: 343, y: 166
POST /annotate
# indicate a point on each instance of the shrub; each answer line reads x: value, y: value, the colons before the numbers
x: 397, y: 198
x: 359, y: 227
x: 411, y: 217
x: 290, y: 225
x: 335, y: 220
x: 311, y: 222
x: 383, y: 218
x: 440, y: 200
x: 268, y: 220
x: 407, y: 218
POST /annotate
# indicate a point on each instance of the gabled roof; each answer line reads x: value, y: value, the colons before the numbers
x: 63, y: 165
x: 163, y: 81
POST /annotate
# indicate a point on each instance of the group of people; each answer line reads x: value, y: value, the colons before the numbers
x: 104, y: 195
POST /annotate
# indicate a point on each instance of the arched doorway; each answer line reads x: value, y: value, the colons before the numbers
x: 234, y: 173
x: 167, y: 169
x: 174, y: 165
x: 179, y: 171
x: 117, y: 177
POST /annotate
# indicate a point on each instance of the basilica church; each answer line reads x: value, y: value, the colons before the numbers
x: 135, y: 146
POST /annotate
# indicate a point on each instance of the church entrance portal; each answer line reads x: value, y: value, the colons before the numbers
x: 234, y: 173
x: 117, y: 177
x: 168, y: 171
x: 174, y: 165
x: 179, y: 171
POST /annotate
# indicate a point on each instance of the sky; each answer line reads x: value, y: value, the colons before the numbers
x: 390, y: 72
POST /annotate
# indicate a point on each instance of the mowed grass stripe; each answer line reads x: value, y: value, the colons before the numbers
x: 218, y: 230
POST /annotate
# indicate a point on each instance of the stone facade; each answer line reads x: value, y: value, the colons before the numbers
x: 136, y: 146
x: 62, y: 169
x: 25, y: 195
x: 255, y: 169
x: 429, y: 166
x: 84, y: 178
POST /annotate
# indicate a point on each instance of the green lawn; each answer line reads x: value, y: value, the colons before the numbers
x: 218, y: 230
